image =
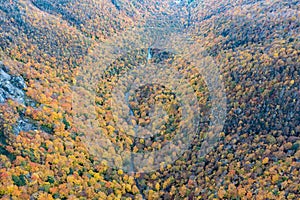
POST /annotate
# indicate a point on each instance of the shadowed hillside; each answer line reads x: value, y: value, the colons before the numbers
x: 45, y: 43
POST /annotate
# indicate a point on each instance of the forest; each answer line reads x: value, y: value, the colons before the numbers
x: 134, y: 99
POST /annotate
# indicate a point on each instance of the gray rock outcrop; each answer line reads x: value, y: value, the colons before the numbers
x: 12, y: 87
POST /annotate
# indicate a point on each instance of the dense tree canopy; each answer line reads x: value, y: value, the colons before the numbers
x: 256, y: 46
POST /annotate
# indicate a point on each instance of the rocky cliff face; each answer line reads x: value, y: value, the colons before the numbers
x: 12, y: 87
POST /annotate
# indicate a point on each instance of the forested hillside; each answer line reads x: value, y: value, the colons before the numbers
x: 45, y: 45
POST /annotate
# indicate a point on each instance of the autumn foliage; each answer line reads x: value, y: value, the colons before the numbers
x: 256, y: 45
